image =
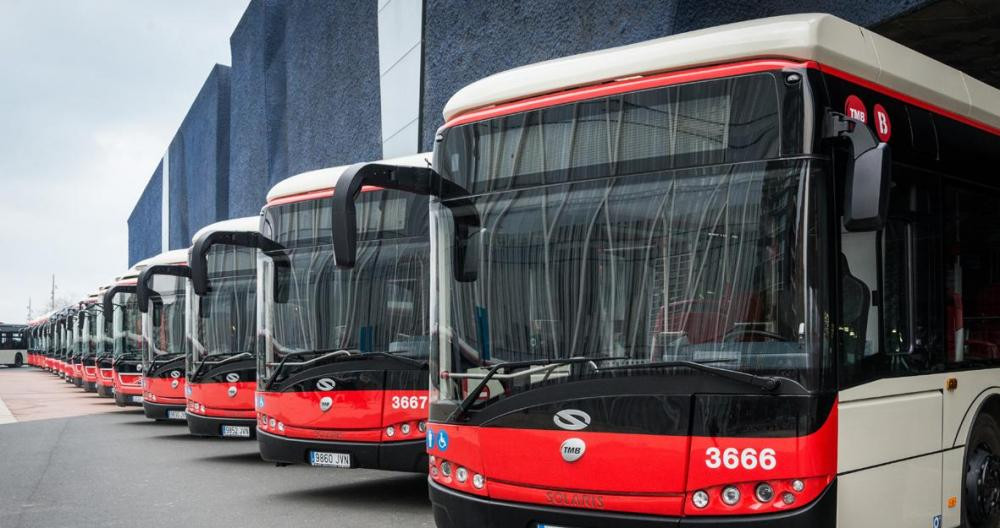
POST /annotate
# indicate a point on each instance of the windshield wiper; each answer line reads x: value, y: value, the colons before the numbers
x: 545, y: 364
x: 204, y: 361
x: 765, y: 383
x: 338, y: 355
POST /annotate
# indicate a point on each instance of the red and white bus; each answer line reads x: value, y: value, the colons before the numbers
x: 221, y: 334
x: 745, y: 276
x: 88, y: 321
x: 342, y: 368
x: 161, y: 293
x: 125, y: 330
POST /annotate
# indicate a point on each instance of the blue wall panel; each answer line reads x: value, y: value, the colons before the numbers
x: 304, y: 93
x: 251, y: 44
x: 466, y: 41
x: 199, y: 162
x: 144, y: 224
x: 332, y: 96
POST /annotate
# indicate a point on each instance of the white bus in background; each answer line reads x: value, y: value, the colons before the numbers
x: 13, y: 345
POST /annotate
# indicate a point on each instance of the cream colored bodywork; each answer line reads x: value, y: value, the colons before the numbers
x: 901, y: 447
x: 823, y: 38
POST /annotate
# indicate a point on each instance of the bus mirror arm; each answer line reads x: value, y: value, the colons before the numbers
x: 198, y: 258
x: 417, y: 180
x: 868, y: 175
x: 109, y: 297
x: 144, y: 292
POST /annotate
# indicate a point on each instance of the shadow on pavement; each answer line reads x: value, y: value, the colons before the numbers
x: 235, y: 458
x: 407, y: 490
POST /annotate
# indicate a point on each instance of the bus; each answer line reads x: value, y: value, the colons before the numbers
x: 74, y: 353
x: 744, y: 276
x: 90, y: 318
x: 221, y: 363
x: 342, y: 355
x: 125, y: 330
x: 13, y: 345
x: 64, y: 343
x: 161, y: 297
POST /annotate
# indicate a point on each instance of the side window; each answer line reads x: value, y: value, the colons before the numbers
x: 902, y: 268
x: 972, y: 274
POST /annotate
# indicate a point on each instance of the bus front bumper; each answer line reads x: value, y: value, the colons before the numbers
x: 453, y: 509
x: 408, y: 456
x: 159, y: 411
x: 200, y: 425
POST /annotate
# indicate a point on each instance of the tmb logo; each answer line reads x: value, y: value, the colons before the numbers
x: 855, y: 109
x: 325, y: 384
x: 571, y: 419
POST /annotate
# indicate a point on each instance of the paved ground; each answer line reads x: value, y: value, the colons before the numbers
x: 27, y: 394
x: 117, y: 468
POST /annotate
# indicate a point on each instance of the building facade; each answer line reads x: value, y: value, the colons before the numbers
x: 322, y: 83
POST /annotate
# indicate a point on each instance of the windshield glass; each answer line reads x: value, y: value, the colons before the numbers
x: 378, y: 306
x: 224, y: 321
x: 127, y: 325
x: 163, y: 330
x: 90, y: 341
x: 642, y: 228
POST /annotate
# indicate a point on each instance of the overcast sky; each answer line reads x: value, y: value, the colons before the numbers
x: 91, y: 92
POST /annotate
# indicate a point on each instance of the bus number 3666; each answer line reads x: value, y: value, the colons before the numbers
x: 732, y: 458
x: 409, y: 402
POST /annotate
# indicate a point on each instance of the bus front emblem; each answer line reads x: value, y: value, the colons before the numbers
x: 325, y: 384
x: 571, y: 419
x: 572, y: 449
x: 325, y: 403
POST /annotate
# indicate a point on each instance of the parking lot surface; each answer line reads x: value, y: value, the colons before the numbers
x: 114, y: 467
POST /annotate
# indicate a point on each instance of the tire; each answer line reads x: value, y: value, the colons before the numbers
x: 18, y: 361
x: 981, y: 479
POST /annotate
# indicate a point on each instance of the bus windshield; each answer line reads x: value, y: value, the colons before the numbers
x: 634, y: 230
x: 90, y: 339
x: 163, y: 334
x: 223, y: 322
x: 127, y: 327
x: 378, y: 306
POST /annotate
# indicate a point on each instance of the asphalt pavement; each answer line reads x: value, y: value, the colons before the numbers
x: 113, y: 467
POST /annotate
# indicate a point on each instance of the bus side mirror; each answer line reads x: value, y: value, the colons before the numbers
x: 198, y: 258
x: 142, y: 289
x: 417, y: 180
x: 868, y: 174
x: 109, y: 297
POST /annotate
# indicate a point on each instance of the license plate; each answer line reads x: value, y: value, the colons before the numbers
x: 236, y: 431
x: 176, y: 415
x: 136, y: 399
x: 340, y: 460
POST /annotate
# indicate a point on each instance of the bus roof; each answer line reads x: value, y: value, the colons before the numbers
x: 324, y: 179
x: 174, y: 256
x: 247, y: 223
x: 823, y: 38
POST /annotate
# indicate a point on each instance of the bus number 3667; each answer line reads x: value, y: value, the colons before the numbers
x: 733, y: 458
x: 409, y: 402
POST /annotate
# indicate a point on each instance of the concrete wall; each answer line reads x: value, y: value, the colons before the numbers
x: 144, y: 222
x: 199, y: 162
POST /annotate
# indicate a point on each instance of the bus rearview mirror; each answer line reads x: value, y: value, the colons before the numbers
x: 868, y: 173
x: 417, y: 180
x: 866, y: 200
x: 198, y: 258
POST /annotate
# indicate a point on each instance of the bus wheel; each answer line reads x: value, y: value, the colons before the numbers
x: 982, y: 474
x: 18, y: 361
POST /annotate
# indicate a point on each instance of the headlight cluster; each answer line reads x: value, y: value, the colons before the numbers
x: 196, y: 407
x: 270, y: 424
x: 755, y: 497
x: 456, y: 476
x: 405, y: 430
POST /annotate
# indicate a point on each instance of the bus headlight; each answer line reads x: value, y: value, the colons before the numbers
x: 462, y: 474
x: 764, y: 492
x: 478, y: 481
x: 700, y: 499
x: 731, y: 495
